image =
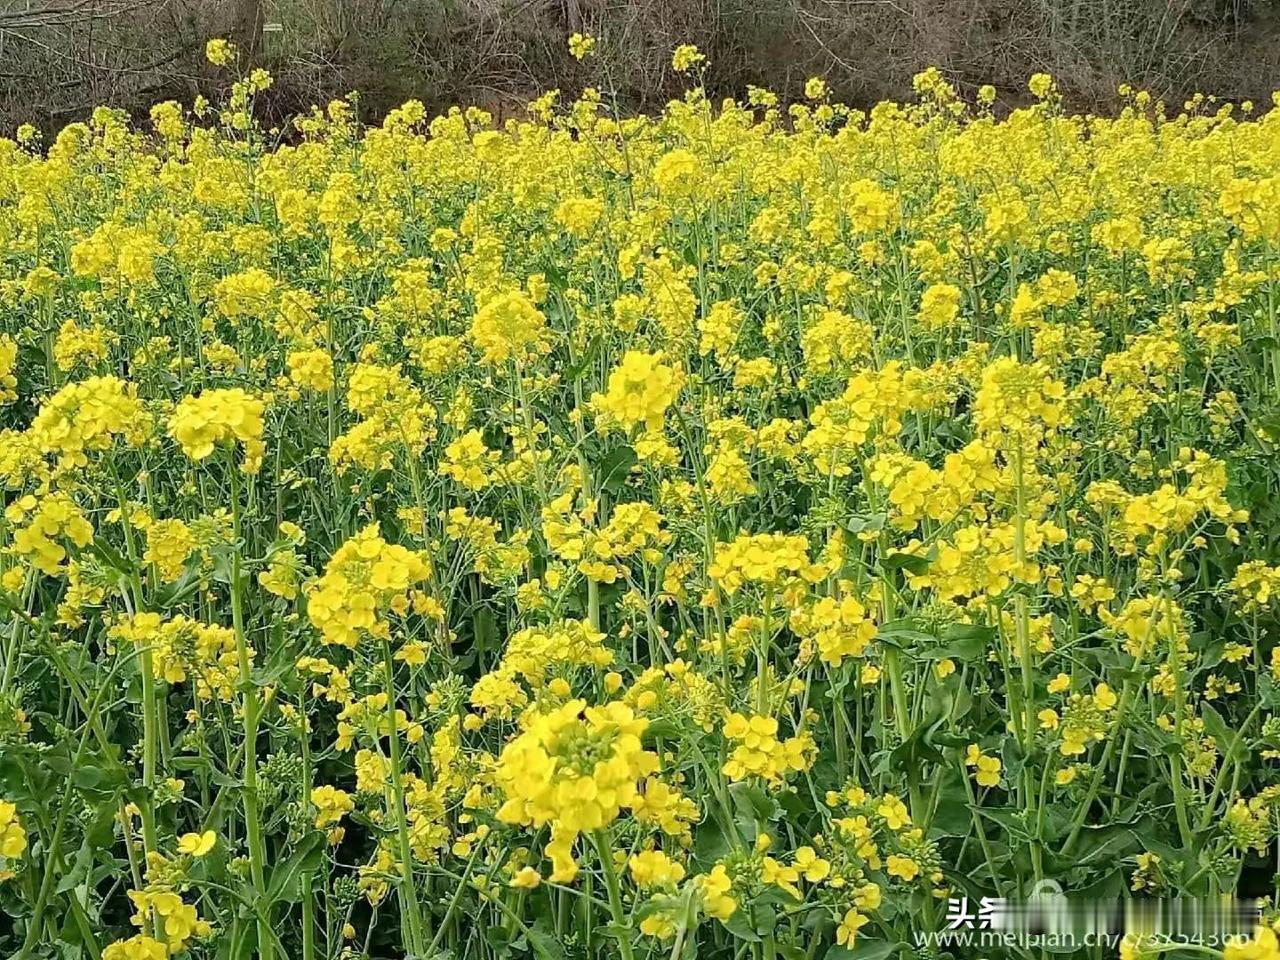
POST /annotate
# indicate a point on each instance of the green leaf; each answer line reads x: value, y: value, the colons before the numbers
x: 741, y: 926
x: 1010, y: 818
x: 545, y: 944
x: 710, y: 844
x: 614, y: 469
x: 863, y: 950
x: 620, y: 932
x: 752, y: 802
x: 486, y: 629
x: 284, y: 886
x: 79, y: 871
x: 875, y: 950
x: 904, y: 634
x: 1217, y: 728
x: 910, y: 562
x: 873, y: 522
x: 965, y: 642
x: 497, y: 937
x: 952, y: 819
x: 100, y: 775
x: 917, y: 748
x: 1108, y: 844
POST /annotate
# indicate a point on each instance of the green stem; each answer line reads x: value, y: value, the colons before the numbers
x: 251, y: 710
x: 150, y: 704
x: 308, y: 879
x: 615, y: 894
x: 902, y: 718
x: 408, y: 889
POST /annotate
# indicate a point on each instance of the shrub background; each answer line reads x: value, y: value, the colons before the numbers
x: 59, y: 58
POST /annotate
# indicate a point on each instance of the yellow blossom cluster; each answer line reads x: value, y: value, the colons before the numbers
x: 735, y: 529
x: 575, y: 768
x: 365, y: 579
x: 181, y: 648
x: 200, y: 423
x: 757, y: 751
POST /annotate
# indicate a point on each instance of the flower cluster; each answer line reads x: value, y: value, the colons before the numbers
x: 201, y: 423
x: 365, y: 579
x: 575, y: 768
x: 732, y: 530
